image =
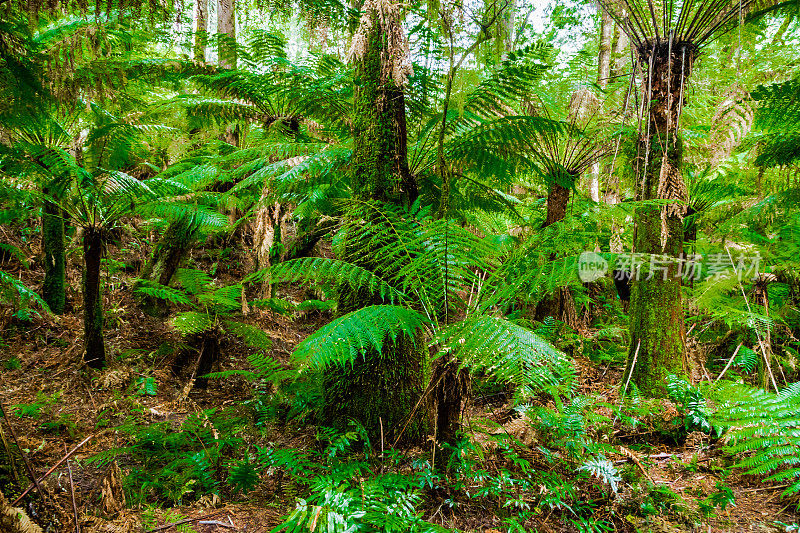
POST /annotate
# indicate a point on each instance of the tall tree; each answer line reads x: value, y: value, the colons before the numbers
x: 379, y: 389
x: 603, y: 75
x: 200, y: 30
x: 226, y: 33
x: 667, y: 38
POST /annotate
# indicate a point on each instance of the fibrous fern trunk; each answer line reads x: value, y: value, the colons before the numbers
x: 658, y: 333
x: 54, y: 287
x: 167, y: 256
x: 94, y: 346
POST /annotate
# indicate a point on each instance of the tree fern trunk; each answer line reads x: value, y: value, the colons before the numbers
x: 658, y: 333
x: 95, y: 351
x: 54, y: 287
x: 167, y: 256
x: 557, y: 202
x: 379, y: 390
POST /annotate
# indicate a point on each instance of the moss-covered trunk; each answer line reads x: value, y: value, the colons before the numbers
x: 200, y: 30
x: 55, y: 262
x: 95, y: 350
x: 658, y: 335
x: 167, y: 255
x: 378, y: 390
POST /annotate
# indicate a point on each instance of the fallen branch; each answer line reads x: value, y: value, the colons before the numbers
x: 72, y: 493
x: 25, y: 459
x: 52, y: 469
x: 181, y: 522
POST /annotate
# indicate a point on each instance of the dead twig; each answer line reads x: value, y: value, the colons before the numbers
x: 25, y: 459
x: 632, y: 456
x: 72, y: 493
x: 216, y: 523
x: 52, y: 469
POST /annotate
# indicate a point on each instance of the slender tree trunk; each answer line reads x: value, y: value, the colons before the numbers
x: 226, y: 33
x: 618, y: 48
x: 167, y: 256
x: 227, y: 54
x: 55, y: 262
x: 379, y: 390
x: 200, y: 30
x: 658, y: 332
x: 95, y: 350
x: 603, y: 74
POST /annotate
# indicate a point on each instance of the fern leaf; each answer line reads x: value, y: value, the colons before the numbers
x: 190, y: 322
x: 353, y: 334
x: 506, y: 350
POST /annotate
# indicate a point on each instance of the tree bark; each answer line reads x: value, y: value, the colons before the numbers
x: 95, y: 351
x: 226, y: 33
x: 167, y: 256
x: 200, y: 30
x: 557, y: 202
x: 658, y: 334
x: 54, y: 289
x: 379, y: 390
x: 603, y: 75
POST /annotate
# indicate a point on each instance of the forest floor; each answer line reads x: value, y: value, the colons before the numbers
x: 70, y: 404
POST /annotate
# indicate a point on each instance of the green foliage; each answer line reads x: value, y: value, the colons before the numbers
x: 180, y: 465
x: 691, y: 403
x: 353, y: 334
x: 243, y: 476
x: 765, y: 427
x: 214, y: 307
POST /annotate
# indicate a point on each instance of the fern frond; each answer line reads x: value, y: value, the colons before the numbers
x: 156, y: 290
x: 333, y: 271
x: 508, y: 351
x: 191, y: 322
x: 356, y: 333
x: 251, y: 335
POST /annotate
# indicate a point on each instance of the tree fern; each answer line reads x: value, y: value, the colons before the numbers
x: 506, y: 350
x: 765, y: 426
x: 353, y: 334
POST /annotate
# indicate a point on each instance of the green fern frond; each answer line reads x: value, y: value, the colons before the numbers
x: 191, y: 322
x: 333, y: 271
x: 156, y: 290
x: 506, y: 350
x: 355, y: 333
x: 193, y: 280
x: 251, y: 335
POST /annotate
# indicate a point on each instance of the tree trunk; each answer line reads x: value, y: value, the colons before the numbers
x: 200, y: 30
x: 619, y: 44
x: 603, y: 75
x: 226, y: 33
x: 209, y: 354
x: 167, y: 256
x: 557, y: 202
x: 379, y: 390
x: 55, y: 262
x: 95, y: 350
x: 658, y: 334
